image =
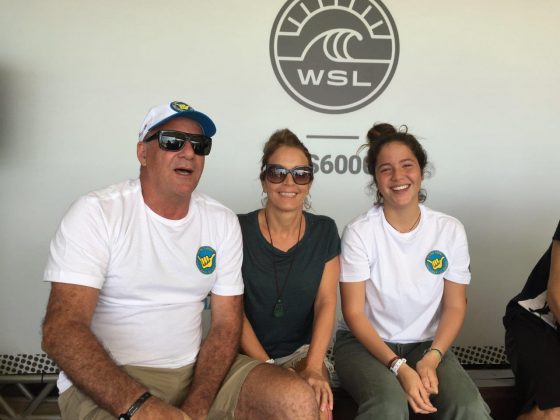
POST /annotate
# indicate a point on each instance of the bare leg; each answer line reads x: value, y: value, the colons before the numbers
x: 272, y: 392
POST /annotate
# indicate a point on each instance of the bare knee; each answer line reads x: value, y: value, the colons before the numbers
x: 303, y: 402
x: 273, y: 392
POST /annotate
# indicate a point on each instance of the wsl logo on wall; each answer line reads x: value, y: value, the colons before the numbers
x: 334, y: 56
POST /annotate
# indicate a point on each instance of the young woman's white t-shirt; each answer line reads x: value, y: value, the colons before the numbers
x: 404, y: 272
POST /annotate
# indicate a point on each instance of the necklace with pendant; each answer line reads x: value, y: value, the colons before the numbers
x: 278, y: 311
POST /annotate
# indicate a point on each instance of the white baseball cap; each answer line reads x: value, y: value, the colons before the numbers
x: 169, y: 110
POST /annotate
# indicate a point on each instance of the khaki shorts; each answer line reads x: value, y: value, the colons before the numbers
x: 292, y: 360
x: 170, y: 385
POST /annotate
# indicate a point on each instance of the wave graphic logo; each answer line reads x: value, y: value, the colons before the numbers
x: 334, y: 56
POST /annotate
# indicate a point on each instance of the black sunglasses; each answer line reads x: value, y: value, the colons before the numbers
x: 173, y: 141
x: 301, y: 175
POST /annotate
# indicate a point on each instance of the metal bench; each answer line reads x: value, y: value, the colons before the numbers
x: 33, y: 377
x: 27, y: 377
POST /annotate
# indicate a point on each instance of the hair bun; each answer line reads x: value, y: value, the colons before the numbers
x: 380, y: 130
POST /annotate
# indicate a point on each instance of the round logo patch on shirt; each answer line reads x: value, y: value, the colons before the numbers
x: 436, y: 262
x: 206, y: 259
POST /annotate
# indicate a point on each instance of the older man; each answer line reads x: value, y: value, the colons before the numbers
x: 130, y: 266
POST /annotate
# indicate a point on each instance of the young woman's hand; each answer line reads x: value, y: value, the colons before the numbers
x: 426, y: 369
x: 416, y: 394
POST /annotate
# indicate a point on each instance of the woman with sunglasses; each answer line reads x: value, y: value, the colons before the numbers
x: 290, y: 270
x: 404, y: 272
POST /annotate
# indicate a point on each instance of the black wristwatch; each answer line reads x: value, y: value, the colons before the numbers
x: 135, y: 406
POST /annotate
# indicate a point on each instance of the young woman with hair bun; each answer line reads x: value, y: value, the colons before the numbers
x: 404, y: 273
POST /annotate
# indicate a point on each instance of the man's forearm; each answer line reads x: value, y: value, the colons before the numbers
x: 216, y: 356
x: 79, y: 354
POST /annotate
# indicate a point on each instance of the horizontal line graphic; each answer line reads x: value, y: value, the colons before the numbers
x: 325, y: 136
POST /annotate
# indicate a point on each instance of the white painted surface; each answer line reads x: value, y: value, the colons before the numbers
x: 477, y: 81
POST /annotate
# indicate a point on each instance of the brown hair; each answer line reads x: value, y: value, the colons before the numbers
x: 278, y: 139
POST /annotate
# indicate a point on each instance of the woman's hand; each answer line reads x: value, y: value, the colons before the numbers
x: 426, y: 369
x: 416, y: 394
x: 321, y: 387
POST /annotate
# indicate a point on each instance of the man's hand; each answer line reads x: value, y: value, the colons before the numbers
x: 195, y: 413
x: 416, y: 394
x: 156, y: 409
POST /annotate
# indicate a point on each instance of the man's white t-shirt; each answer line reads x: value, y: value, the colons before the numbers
x: 152, y: 273
x: 404, y: 272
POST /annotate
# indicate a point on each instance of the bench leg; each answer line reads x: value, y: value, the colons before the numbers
x: 38, y: 399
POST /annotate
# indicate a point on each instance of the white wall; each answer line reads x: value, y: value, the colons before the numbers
x: 477, y: 81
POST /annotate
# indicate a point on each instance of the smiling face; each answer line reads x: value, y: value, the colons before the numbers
x: 398, y: 175
x: 169, y: 178
x: 287, y: 195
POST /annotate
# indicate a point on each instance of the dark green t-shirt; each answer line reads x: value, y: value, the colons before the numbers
x: 319, y: 244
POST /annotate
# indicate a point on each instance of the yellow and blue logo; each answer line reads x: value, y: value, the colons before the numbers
x: 206, y: 259
x: 436, y: 262
x: 180, y: 106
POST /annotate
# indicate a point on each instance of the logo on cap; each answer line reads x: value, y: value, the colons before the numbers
x: 206, y: 259
x: 436, y: 262
x: 180, y: 106
x: 334, y: 58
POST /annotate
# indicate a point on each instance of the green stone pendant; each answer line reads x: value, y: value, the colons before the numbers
x: 278, y: 309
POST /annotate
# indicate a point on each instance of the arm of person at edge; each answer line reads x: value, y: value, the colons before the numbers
x: 454, y: 308
x: 323, y: 324
x: 353, y: 297
x: 553, y: 288
x: 69, y: 341
x: 216, y: 354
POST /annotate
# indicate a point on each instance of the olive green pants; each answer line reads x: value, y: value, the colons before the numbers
x: 379, y: 394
